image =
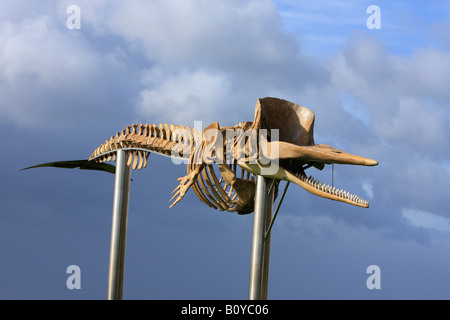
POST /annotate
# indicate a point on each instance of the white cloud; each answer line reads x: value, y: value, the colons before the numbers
x: 194, y: 32
x: 406, y: 97
x: 202, y: 55
x: 206, y: 55
x: 425, y: 74
x: 184, y: 96
x: 416, y: 124
x: 368, y: 188
x: 36, y: 48
x: 50, y: 76
x: 426, y: 220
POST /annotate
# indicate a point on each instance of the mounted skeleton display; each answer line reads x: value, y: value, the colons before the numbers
x: 278, y: 144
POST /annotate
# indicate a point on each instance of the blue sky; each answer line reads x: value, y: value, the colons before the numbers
x: 381, y: 93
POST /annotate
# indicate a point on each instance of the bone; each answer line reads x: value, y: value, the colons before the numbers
x: 167, y: 132
x: 136, y: 159
x: 295, y: 124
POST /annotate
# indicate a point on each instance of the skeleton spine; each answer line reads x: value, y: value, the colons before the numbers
x: 164, y: 139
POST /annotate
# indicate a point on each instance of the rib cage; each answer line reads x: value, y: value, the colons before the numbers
x: 216, y: 192
x: 174, y: 141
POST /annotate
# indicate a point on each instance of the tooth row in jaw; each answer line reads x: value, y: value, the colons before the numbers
x: 341, y: 193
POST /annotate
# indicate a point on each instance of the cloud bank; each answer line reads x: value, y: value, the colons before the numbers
x: 182, y: 61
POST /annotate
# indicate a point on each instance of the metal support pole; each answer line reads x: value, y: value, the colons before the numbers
x: 260, y: 256
x: 119, y: 227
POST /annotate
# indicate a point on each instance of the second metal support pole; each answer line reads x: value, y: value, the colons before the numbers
x: 260, y: 256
